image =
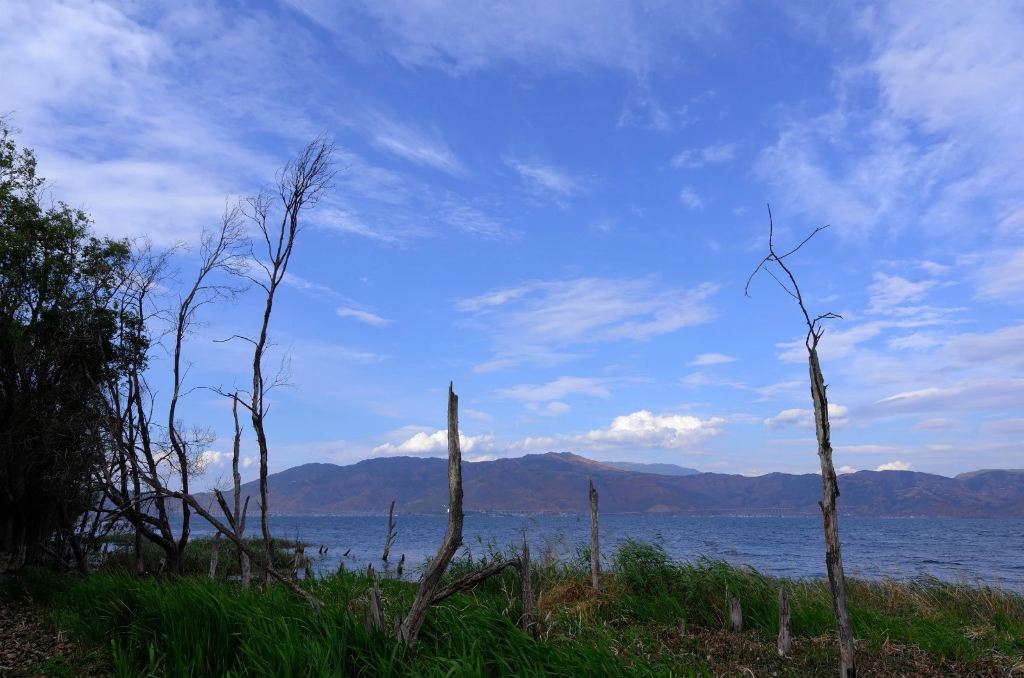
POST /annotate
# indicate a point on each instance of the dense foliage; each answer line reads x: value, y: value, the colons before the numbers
x: 58, y: 320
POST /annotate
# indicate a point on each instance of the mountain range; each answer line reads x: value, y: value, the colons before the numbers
x: 557, y: 483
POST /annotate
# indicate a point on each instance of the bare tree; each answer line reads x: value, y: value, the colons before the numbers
x: 144, y: 464
x: 830, y: 486
x: 220, y: 252
x: 300, y: 185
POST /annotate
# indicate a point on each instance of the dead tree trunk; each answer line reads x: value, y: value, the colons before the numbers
x: 526, y: 585
x: 830, y: 487
x: 736, y: 614
x: 785, y: 639
x: 413, y: 621
x: 595, y: 548
x: 389, y: 538
x: 214, y: 555
x: 830, y: 491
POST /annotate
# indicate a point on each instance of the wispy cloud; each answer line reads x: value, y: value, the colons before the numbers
x: 362, y: 316
x: 690, y: 199
x: 804, y: 418
x: 540, y: 320
x: 546, y: 178
x: 711, y: 359
x: 693, y: 158
x: 428, y: 149
x: 565, y: 36
x: 557, y: 389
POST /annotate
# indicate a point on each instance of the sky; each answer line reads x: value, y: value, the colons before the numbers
x: 556, y: 205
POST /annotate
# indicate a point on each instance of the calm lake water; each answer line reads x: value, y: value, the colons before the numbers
x: 974, y: 551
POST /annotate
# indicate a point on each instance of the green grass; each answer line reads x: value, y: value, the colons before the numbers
x: 193, y: 626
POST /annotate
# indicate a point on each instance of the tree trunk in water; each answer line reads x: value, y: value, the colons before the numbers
x: 830, y: 491
x: 785, y: 639
x: 390, y: 536
x: 595, y: 548
x: 413, y: 621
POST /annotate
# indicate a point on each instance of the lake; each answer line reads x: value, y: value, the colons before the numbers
x: 974, y: 551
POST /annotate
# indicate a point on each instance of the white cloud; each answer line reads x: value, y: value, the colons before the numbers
x: 893, y: 466
x: 537, y: 321
x: 838, y: 416
x: 557, y: 389
x: 698, y: 157
x: 847, y: 469
x: 641, y: 430
x: 711, y: 359
x: 423, y: 443
x: 690, y: 199
x: 362, y: 316
x: 248, y: 462
x: 212, y: 458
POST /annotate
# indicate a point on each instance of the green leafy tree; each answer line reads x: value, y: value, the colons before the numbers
x: 58, y: 319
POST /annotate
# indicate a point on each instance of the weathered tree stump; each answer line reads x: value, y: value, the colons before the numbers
x: 785, y: 639
x: 736, y: 614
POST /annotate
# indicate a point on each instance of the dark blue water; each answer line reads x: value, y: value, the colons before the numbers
x: 973, y: 551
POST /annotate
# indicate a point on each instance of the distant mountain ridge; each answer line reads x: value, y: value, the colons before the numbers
x: 659, y: 469
x: 557, y: 483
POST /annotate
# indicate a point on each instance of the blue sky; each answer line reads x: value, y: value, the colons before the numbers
x: 557, y: 204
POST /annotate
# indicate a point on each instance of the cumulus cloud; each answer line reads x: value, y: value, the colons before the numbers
x: 896, y: 465
x: 647, y: 430
x: 424, y: 443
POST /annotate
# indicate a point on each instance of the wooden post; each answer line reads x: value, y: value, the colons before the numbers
x: 595, y: 549
x: 401, y: 566
x: 389, y: 538
x: 736, y: 614
x: 785, y: 640
x: 526, y: 586
x: 214, y: 555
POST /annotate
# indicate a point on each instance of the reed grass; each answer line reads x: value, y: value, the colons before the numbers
x: 652, y: 617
